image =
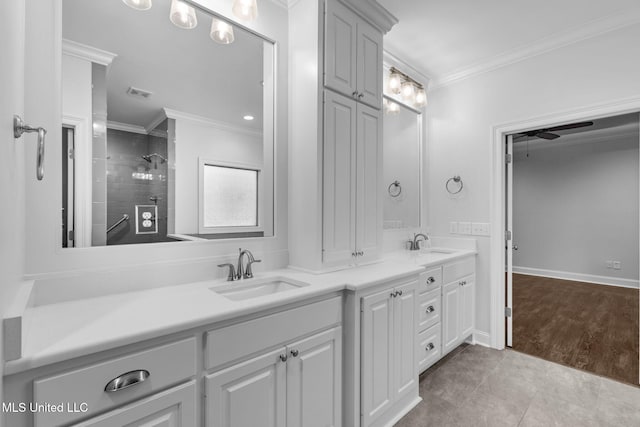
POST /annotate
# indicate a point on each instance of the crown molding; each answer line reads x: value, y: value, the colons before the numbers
x: 88, y: 53
x: 373, y: 12
x: 229, y: 127
x: 126, y: 127
x: 552, y: 42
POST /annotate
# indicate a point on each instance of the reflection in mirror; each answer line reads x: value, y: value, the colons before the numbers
x: 167, y: 125
x: 401, y: 165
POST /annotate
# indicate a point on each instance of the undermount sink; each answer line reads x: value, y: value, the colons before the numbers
x: 254, y: 288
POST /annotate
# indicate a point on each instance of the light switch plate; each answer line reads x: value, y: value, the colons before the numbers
x: 480, y: 228
x: 464, y: 228
x: 609, y: 263
x: 617, y: 265
x: 453, y: 227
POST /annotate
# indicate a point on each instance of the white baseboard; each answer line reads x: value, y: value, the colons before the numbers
x: 481, y: 338
x: 589, y: 278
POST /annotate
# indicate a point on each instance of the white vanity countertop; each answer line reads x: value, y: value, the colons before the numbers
x: 77, y: 328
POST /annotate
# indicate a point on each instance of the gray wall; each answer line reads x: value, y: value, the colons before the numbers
x: 576, y: 206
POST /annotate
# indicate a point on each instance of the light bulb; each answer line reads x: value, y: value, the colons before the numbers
x: 221, y: 31
x: 138, y: 4
x: 182, y: 15
x: 247, y: 10
x: 392, y: 108
x: 421, y: 97
x: 395, y: 82
x: 408, y: 92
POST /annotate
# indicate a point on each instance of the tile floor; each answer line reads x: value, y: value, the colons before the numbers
x: 477, y: 386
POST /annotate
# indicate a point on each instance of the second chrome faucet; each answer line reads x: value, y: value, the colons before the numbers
x: 241, y: 272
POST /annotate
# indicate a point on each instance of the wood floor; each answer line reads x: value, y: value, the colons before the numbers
x: 582, y: 325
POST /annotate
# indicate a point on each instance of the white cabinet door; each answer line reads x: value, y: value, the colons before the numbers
x: 248, y: 394
x: 369, y: 168
x: 467, y: 306
x: 339, y: 178
x: 451, y: 316
x: 377, y: 353
x: 175, y: 407
x: 340, y: 63
x: 405, y: 319
x: 369, y: 77
x: 314, y: 381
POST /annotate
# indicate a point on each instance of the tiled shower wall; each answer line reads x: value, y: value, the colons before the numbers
x: 132, y: 181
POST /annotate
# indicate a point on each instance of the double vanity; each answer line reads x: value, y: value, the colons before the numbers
x: 283, y: 348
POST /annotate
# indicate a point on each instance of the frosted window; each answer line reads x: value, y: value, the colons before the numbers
x: 230, y: 197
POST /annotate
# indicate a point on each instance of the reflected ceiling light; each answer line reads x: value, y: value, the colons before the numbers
x: 221, y: 31
x: 421, y: 97
x: 138, y: 4
x: 182, y: 15
x: 247, y: 10
x: 391, y: 107
x: 408, y: 92
x: 395, y: 81
x: 248, y: 117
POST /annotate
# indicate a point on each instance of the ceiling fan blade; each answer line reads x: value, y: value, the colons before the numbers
x: 570, y: 126
x: 547, y: 135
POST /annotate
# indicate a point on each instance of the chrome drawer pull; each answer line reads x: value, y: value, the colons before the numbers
x: 430, y: 346
x: 127, y: 380
x: 431, y: 309
x: 430, y: 280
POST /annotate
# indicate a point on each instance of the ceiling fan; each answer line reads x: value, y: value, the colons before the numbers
x: 547, y: 133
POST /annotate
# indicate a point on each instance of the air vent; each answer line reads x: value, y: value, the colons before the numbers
x: 140, y: 93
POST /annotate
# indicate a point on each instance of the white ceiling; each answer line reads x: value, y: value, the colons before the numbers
x: 449, y: 39
x: 184, y: 69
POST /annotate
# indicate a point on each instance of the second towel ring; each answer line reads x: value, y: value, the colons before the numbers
x: 394, y: 189
x: 456, y: 179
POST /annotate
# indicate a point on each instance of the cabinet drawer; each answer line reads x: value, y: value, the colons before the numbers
x: 243, y: 339
x: 430, y: 280
x: 429, y: 347
x: 459, y: 269
x: 167, y: 365
x: 430, y: 309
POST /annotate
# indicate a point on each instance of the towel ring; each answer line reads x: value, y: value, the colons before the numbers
x: 457, y: 180
x: 395, y: 189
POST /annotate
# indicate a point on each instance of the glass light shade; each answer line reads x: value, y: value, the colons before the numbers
x: 408, y: 93
x: 182, y: 15
x: 247, y: 10
x: 395, y: 82
x: 421, y: 98
x: 138, y: 4
x: 221, y: 31
x: 392, y: 108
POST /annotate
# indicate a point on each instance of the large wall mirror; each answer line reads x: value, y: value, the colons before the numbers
x: 402, y: 154
x: 168, y: 125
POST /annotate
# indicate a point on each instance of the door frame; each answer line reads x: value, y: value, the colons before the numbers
x: 498, y: 196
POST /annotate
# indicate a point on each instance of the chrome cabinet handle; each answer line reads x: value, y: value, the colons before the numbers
x: 283, y: 357
x: 430, y: 309
x: 393, y: 294
x: 295, y: 353
x: 399, y: 292
x: 127, y: 380
x: 360, y: 96
x: 430, y: 347
x: 361, y: 253
x: 463, y: 283
x: 20, y: 127
x: 430, y: 280
x: 354, y: 94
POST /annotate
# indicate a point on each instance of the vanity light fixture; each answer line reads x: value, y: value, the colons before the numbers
x: 395, y: 81
x: 421, y: 97
x: 408, y: 92
x: 221, y: 31
x: 247, y: 10
x: 391, y: 108
x: 182, y: 15
x: 138, y: 4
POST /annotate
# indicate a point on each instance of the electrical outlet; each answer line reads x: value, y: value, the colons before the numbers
x: 609, y: 263
x: 480, y: 228
x: 617, y: 265
x: 453, y: 227
x: 464, y: 228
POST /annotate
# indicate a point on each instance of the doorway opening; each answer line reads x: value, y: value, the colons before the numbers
x: 572, y: 244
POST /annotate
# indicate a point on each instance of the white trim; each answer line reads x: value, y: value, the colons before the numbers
x: 607, y: 135
x: 579, y: 277
x: 497, y: 200
x: 126, y: 127
x: 481, y: 338
x: 174, y: 114
x: 88, y: 53
x: 551, y: 42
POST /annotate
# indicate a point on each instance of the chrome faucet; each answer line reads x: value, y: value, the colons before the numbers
x: 240, y: 272
x: 414, y: 245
